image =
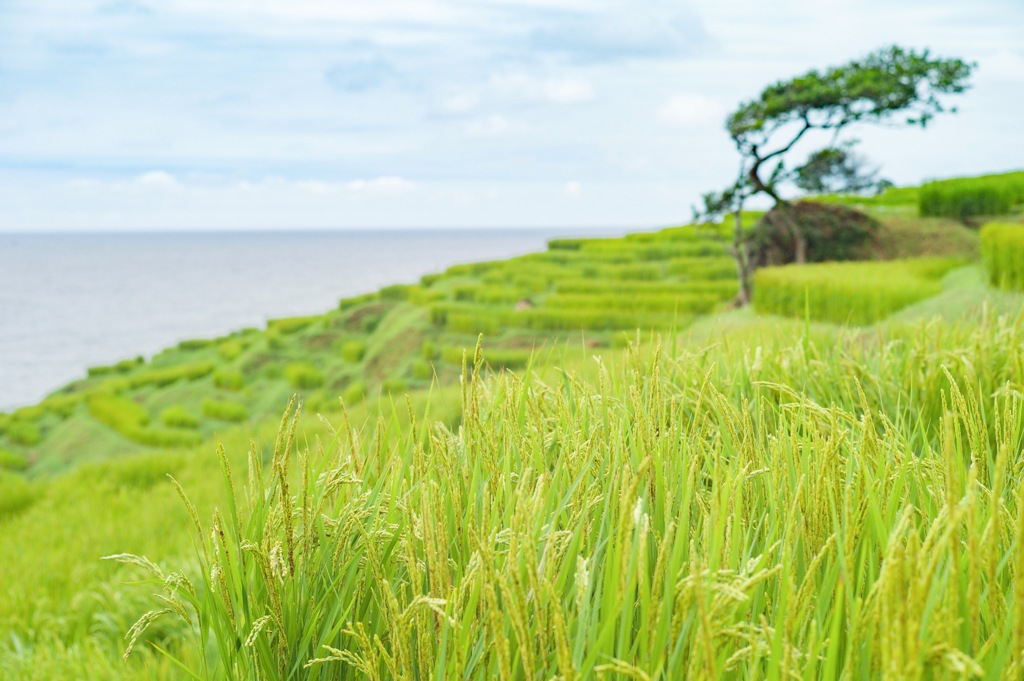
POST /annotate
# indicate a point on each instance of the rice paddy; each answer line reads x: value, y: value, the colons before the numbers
x: 625, y: 479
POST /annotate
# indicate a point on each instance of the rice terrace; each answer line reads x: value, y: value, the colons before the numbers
x: 781, y: 438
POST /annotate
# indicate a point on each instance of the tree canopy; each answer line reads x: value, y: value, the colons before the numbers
x: 893, y: 85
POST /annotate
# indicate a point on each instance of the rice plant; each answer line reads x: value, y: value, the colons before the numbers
x: 848, y: 292
x: 1002, y: 248
x: 225, y: 410
x: 844, y: 510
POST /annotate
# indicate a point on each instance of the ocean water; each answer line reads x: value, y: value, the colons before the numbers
x: 70, y: 301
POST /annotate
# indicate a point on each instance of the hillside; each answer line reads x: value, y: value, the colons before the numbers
x: 625, y: 437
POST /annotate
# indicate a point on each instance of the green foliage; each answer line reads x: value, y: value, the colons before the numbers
x: 195, y: 344
x: 16, y: 494
x: 885, y: 84
x: 178, y: 416
x: 849, y: 293
x: 355, y: 393
x: 131, y: 421
x: 303, y: 375
x: 23, y: 433
x: 12, y: 461
x: 1002, y: 248
x: 397, y: 292
x: 422, y: 370
x: 231, y: 349
x: 852, y: 504
x: 290, y: 325
x: 228, y: 379
x: 225, y: 410
x: 353, y: 351
x: 830, y: 232
x: 962, y: 199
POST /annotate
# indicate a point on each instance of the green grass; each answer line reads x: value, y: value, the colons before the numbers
x: 303, y: 375
x: 658, y: 517
x: 225, y: 410
x: 1002, y: 248
x: 972, y: 197
x: 855, y: 293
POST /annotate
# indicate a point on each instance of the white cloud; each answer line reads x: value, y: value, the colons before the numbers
x: 157, y: 179
x: 688, y: 109
x: 492, y: 126
x: 520, y: 86
x: 1005, y: 65
x: 574, y: 189
x: 382, y: 185
x: 568, y: 90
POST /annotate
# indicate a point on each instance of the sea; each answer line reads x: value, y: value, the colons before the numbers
x: 71, y: 301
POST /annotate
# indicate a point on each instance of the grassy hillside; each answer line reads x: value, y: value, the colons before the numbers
x: 632, y: 480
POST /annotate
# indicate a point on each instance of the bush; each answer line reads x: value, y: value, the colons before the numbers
x: 1002, y: 248
x: 303, y: 375
x: 848, y: 293
x: 353, y: 351
x: 178, y: 417
x: 12, y: 461
x: 832, y: 232
x: 229, y: 379
x: 224, y: 410
x: 24, y: 433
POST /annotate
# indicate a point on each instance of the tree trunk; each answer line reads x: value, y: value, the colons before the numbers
x: 739, y: 254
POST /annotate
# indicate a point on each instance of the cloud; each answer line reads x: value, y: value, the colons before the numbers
x: 360, y: 74
x: 382, y: 186
x: 520, y: 87
x: 687, y: 109
x: 602, y: 37
x: 573, y: 189
x: 492, y: 126
x: 1004, y: 65
x: 157, y: 179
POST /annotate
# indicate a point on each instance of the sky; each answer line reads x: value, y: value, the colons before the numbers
x: 308, y: 114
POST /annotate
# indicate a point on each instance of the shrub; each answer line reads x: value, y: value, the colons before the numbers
x: 12, y: 461
x: 1002, y: 248
x: 178, y: 417
x: 303, y: 375
x: 228, y: 379
x: 224, y: 410
x: 832, y: 232
x: 848, y: 293
x: 353, y: 351
x: 24, y: 433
